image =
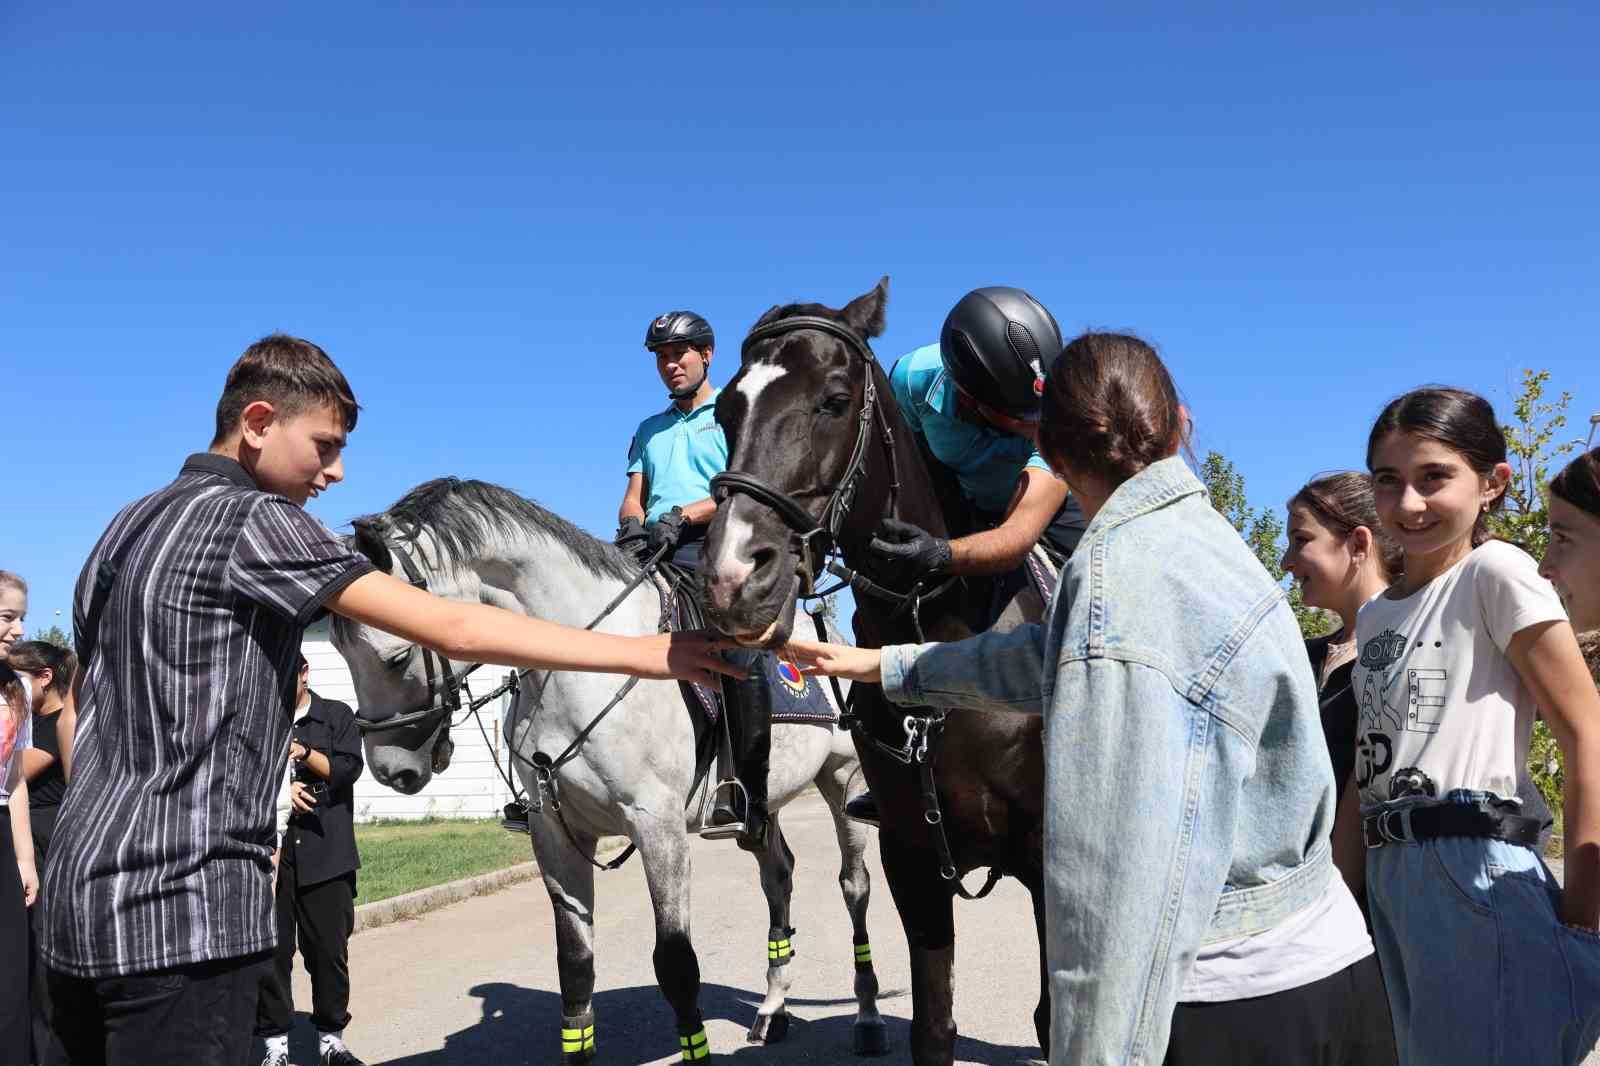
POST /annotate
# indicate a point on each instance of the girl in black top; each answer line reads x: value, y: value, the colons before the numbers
x: 1340, y: 561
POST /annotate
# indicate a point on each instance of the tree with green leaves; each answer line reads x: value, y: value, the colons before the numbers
x: 1533, y: 447
x: 54, y: 635
x: 1262, y: 530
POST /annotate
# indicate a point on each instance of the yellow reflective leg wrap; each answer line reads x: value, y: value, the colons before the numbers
x: 576, y: 1040
x: 779, y: 950
x: 694, y: 1047
x: 863, y: 954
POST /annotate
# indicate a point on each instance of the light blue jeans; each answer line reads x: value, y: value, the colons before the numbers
x: 1479, y: 967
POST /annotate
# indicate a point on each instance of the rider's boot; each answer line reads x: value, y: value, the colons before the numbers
x: 747, y: 701
x: 863, y: 809
x: 516, y: 816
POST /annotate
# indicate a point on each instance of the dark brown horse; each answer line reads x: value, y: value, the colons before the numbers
x: 819, y: 453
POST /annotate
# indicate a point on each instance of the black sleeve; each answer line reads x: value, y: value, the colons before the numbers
x: 288, y: 561
x: 344, y: 761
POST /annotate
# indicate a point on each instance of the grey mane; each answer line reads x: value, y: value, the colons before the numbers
x: 461, y: 516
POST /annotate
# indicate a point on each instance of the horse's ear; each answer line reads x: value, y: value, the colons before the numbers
x: 369, y: 542
x: 865, y: 314
x: 770, y: 314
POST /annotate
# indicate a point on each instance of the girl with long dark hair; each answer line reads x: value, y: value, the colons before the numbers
x: 1486, y: 959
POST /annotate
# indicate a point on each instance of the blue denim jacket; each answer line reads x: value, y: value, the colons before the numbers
x: 1188, y: 792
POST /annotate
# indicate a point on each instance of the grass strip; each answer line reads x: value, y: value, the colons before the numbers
x: 399, y: 857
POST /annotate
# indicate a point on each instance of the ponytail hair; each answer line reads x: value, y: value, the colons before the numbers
x: 1110, y: 408
x: 1462, y: 421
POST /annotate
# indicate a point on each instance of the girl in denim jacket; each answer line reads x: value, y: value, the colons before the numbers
x: 1192, y: 911
x: 1486, y: 959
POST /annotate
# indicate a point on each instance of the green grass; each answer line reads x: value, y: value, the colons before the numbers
x: 399, y: 857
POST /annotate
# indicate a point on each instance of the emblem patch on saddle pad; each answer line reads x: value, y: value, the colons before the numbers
x: 790, y: 676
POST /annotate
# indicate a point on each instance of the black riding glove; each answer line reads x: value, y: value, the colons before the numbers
x: 667, y: 531
x: 912, y: 551
x: 632, y: 538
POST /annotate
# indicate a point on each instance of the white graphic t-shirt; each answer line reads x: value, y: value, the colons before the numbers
x: 1436, y: 691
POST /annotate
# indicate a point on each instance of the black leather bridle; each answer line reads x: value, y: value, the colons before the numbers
x: 815, y: 536
x: 444, y: 686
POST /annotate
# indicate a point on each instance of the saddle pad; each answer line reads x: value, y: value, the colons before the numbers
x: 796, y: 698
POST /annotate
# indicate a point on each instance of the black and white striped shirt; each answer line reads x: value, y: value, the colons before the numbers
x: 162, y: 852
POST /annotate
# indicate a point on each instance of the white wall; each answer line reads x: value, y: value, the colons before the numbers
x: 469, y: 789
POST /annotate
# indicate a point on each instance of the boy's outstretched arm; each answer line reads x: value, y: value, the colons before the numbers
x: 478, y: 633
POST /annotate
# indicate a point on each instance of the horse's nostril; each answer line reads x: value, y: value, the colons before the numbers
x: 761, y: 557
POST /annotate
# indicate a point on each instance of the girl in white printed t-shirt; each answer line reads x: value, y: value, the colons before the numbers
x: 1486, y: 960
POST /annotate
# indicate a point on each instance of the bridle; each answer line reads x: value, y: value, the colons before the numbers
x: 444, y: 686
x: 815, y: 537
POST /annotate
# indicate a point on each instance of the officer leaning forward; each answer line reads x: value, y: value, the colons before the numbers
x: 668, y: 505
x: 974, y: 398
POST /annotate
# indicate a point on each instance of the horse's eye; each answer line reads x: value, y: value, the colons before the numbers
x: 398, y: 659
x: 836, y: 404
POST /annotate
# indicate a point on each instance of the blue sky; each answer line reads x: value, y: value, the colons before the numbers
x: 477, y: 208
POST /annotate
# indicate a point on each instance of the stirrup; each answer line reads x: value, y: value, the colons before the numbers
x: 515, y: 818
x: 727, y: 830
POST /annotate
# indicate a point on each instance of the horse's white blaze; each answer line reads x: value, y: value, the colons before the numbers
x: 732, y: 564
x: 759, y: 377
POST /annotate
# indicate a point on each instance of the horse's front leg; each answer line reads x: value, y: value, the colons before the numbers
x: 777, y: 884
x: 924, y: 901
x: 664, y: 850
x: 569, y: 878
x: 838, y: 781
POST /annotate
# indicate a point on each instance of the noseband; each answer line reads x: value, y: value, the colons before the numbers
x: 444, y: 687
x: 816, y: 536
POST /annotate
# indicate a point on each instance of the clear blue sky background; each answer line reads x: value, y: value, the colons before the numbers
x: 477, y: 208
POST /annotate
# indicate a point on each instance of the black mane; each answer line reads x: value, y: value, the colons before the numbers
x: 462, y: 515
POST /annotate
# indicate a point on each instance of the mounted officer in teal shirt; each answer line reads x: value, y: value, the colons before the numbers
x: 668, y: 504
x: 973, y: 399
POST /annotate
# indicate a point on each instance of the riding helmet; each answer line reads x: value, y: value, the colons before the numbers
x: 679, y: 326
x: 998, y: 343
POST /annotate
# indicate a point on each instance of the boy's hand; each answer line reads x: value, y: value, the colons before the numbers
x: 689, y: 656
x: 301, y: 798
x: 297, y: 751
x: 837, y: 660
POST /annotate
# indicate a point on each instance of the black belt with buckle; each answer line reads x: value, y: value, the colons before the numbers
x: 1412, y: 825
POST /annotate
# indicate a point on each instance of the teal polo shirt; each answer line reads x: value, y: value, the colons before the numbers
x: 678, y: 454
x: 985, y: 460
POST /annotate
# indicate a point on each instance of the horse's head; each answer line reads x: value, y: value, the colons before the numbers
x: 404, y: 691
x: 797, y: 421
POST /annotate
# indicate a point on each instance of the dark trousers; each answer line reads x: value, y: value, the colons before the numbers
x: 44, y: 1038
x: 15, y: 1033
x: 320, y: 918
x: 198, y: 1015
x: 1342, y: 1020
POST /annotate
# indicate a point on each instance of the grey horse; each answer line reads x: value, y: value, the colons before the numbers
x: 633, y: 775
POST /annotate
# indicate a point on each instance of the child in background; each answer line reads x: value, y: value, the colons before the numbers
x: 19, y: 878
x: 1486, y: 960
x: 1572, y: 559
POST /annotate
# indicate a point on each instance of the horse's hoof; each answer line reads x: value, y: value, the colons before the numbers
x: 872, y: 1038
x: 578, y: 1058
x: 769, y: 1028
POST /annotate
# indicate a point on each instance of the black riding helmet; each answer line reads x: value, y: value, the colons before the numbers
x: 679, y: 326
x: 998, y: 343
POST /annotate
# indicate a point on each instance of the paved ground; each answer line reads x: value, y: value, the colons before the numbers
x: 475, y: 983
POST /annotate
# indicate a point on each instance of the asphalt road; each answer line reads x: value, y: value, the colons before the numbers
x: 474, y: 984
